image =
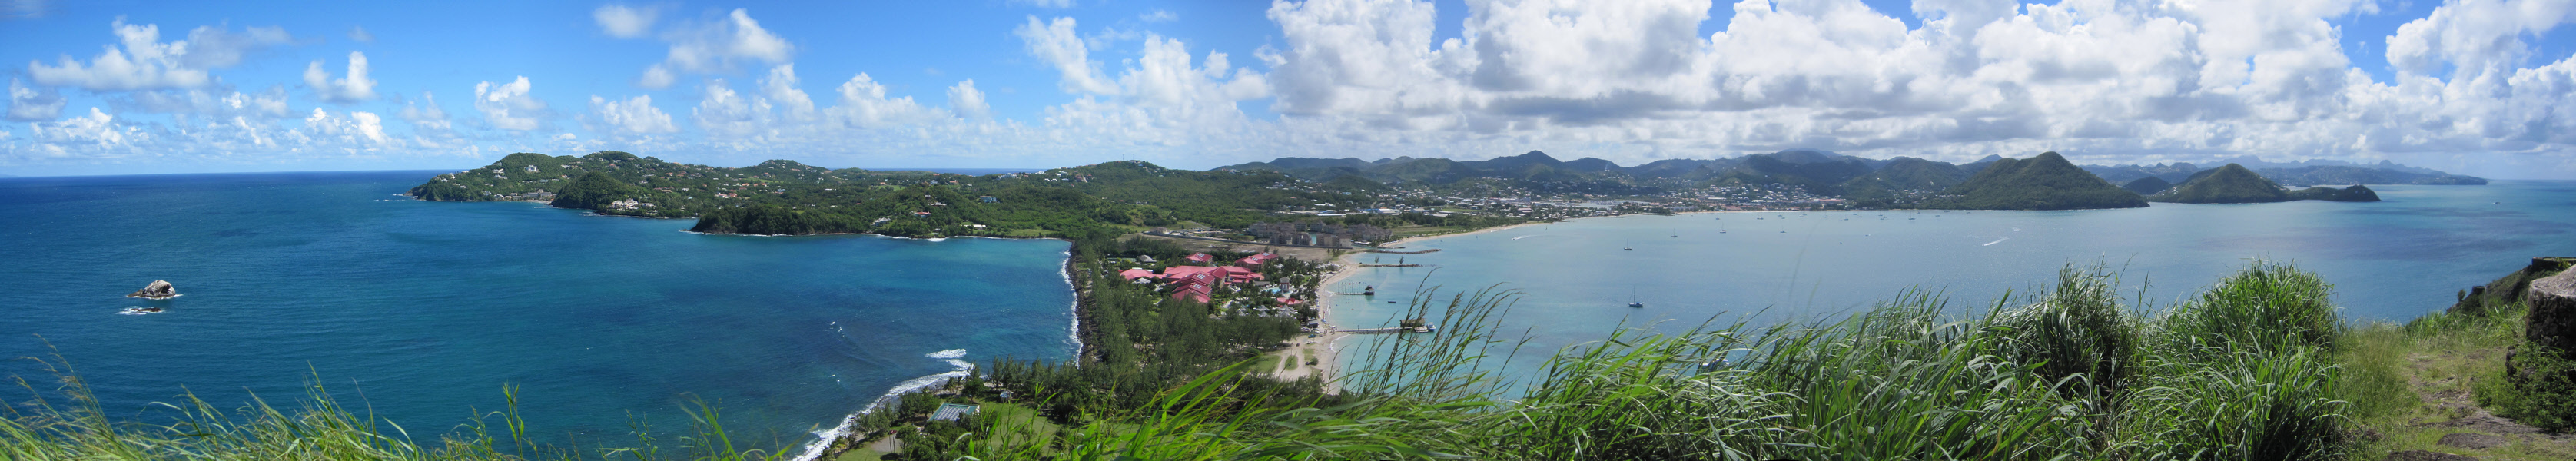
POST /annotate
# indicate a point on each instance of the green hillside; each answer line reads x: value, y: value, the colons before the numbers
x: 2227, y: 184
x: 2045, y: 182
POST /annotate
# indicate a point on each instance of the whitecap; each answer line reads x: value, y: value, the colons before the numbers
x: 823, y: 439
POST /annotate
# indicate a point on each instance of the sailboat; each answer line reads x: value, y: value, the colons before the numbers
x: 1632, y: 297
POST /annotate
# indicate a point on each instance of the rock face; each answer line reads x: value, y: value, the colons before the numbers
x: 2553, y: 312
x: 2472, y: 440
x: 159, y: 289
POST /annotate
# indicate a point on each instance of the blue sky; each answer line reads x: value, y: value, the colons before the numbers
x: 2480, y: 87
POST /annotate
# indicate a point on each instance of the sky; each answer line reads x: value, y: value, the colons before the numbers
x: 2481, y: 87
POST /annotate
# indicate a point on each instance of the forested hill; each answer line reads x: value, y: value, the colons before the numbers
x: 2236, y: 184
x: 2045, y: 182
x: 781, y: 197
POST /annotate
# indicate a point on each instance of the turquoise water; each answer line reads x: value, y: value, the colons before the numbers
x: 424, y: 310
x: 2390, y: 260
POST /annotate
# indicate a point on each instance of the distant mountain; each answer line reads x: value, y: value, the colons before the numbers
x: 1894, y: 182
x: 2044, y: 182
x: 2171, y: 174
x: 2312, y: 172
x: 2331, y: 175
x: 1902, y: 177
x: 2147, y: 185
x: 2227, y: 184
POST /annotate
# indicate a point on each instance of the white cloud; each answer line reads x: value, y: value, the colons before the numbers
x: 780, y: 86
x: 727, y: 112
x: 508, y: 106
x: 2474, y: 36
x: 864, y: 105
x: 33, y: 104
x: 1056, y: 43
x: 1158, y: 15
x: 269, y: 104
x: 355, y: 128
x: 94, y: 130
x: 623, y: 21
x: 716, y: 46
x: 1046, y: 3
x: 968, y: 102
x: 360, y: 35
x: 425, y: 115
x: 141, y: 61
x: 634, y: 115
x: 2126, y: 81
x: 353, y: 88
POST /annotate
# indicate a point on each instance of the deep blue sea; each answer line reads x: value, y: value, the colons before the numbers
x: 2391, y: 260
x: 423, y: 311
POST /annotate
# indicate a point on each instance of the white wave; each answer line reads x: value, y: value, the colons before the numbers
x: 937, y: 239
x: 1998, y: 240
x: 823, y: 439
x: 1528, y: 236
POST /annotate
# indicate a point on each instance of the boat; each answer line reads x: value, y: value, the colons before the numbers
x: 1632, y: 297
x: 1627, y: 249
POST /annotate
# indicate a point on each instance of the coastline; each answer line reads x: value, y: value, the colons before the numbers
x: 1328, y: 345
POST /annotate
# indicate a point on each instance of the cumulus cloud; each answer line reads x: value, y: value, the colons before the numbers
x: 634, y: 115
x: 623, y: 21
x: 716, y: 46
x: 780, y: 86
x: 425, y: 115
x: 98, y: 129
x: 2474, y: 36
x: 1056, y: 43
x: 140, y: 60
x: 360, y: 35
x: 968, y: 102
x: 508, y: 106
x: 1046, y: 3
x: 2119, y: 80
x: 1158, y: 15
x: 726, y: 112
x: 33, y: 104
x: 864, y: 104
x: 354, y: 127
x: 352, y: 88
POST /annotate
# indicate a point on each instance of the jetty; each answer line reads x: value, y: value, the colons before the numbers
x: 1374, y: 250
x: 1390, y: 265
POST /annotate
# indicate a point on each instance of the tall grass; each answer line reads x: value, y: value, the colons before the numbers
x: 2251, y: 368
x: 64, y: 422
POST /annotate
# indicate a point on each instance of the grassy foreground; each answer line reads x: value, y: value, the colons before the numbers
x: 2257, y: 366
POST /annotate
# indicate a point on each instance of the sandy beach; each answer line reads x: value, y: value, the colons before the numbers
x: 1327, y: 347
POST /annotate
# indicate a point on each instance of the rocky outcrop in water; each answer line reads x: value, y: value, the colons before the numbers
x: 159, y: 289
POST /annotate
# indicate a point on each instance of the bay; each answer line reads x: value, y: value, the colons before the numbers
x: 2391, y: 260
x: 422, y: 311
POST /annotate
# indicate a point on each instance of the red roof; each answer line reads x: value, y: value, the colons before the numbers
x: 1290, y: 301
x: 1201, y: 257
x: 1132, y: 274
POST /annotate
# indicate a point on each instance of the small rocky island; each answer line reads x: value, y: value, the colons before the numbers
x: 159, y: 289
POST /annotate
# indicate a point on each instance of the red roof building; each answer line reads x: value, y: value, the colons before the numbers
x: 1138, y: 273
x: 1201, y: 257
x: 1255, y: 260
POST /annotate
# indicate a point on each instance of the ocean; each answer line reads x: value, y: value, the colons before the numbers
x: 2391, y: 260
x: 422, y: 311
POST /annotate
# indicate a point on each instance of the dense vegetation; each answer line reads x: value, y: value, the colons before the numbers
x: 2227, y: 184
x: 2147, y: 186
x: 2043, y: 182
x: 2236, y: 184
x: 2356, y: 193
x: 780, y: 197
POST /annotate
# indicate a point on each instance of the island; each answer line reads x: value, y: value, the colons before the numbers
x: 2234, y: 183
